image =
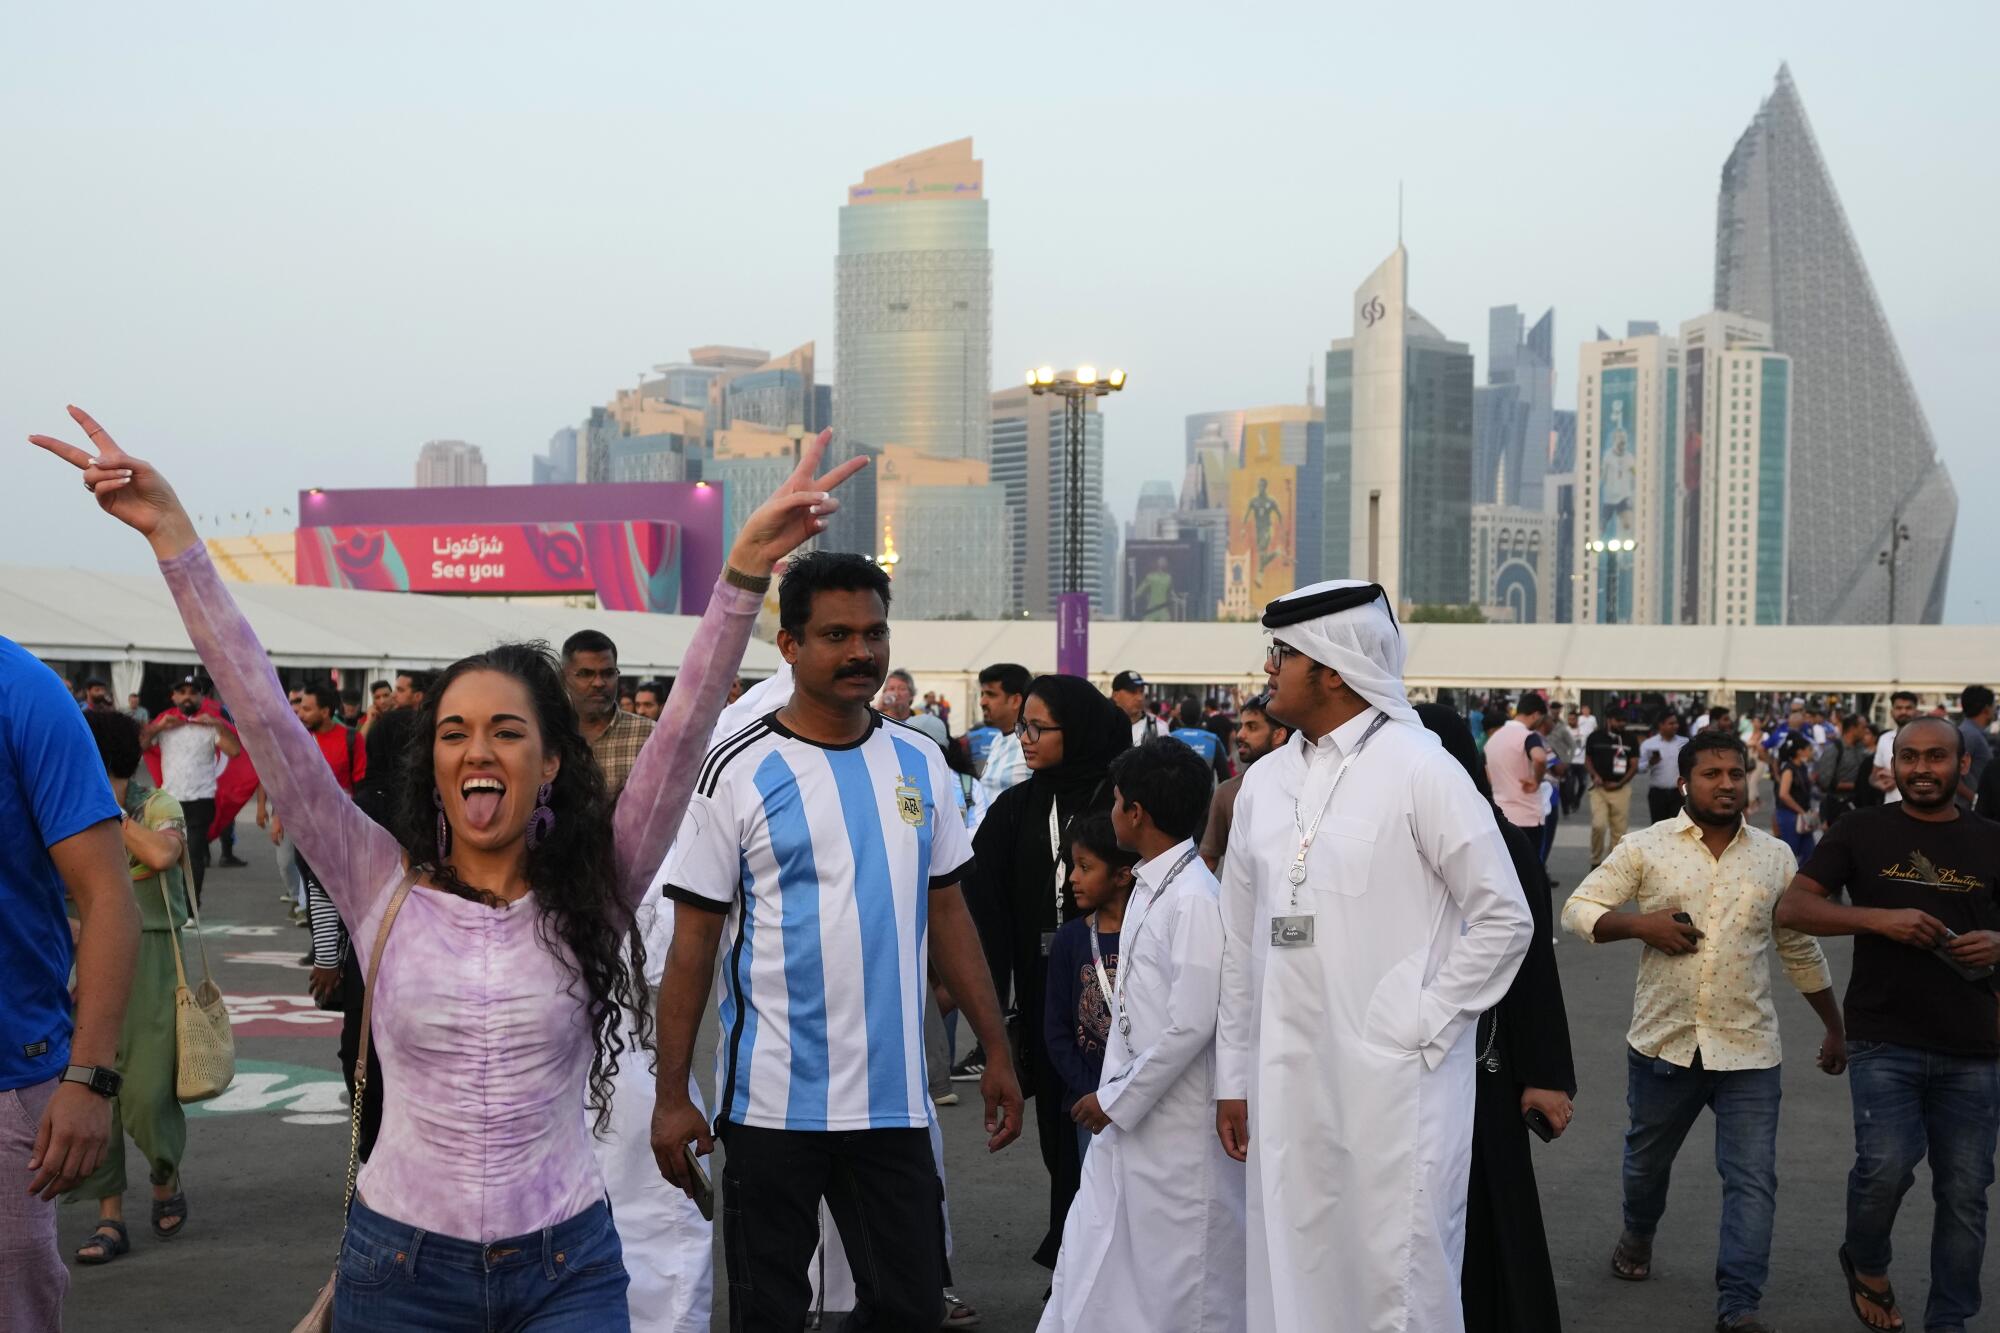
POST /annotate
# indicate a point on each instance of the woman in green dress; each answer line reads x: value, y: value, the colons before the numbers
x: 146, y: 1105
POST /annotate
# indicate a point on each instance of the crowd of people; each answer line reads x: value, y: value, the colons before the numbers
x: 1279, y: 974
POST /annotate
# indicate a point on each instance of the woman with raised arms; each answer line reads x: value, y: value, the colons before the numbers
x: 501, y: 983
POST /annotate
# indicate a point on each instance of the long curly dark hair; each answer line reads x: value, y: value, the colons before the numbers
x: 572, y: 873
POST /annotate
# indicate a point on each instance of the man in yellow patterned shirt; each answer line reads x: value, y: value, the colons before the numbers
x: 1704, y: 1027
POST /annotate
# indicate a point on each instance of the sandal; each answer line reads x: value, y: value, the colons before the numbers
x: 174, y: 1209
x: 957, y: 1314
x: 105, y: 1244
x: 1632, y: 1257
x: 1883, y: 1300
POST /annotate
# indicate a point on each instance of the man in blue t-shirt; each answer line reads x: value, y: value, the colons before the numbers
x: 1190, y: 730
x: 59, y: 828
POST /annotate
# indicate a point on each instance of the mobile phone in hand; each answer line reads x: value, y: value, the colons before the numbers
x: 1970, y: 973
x: 1539, y: 1123
x: 704, y: 1189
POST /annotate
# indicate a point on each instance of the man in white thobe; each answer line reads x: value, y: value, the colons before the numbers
x: 1154, y: 1238
x: 1371, y: 913
x: 669, y: 1245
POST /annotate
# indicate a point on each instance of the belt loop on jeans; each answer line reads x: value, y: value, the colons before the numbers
x: 416, y: 1243
x: 549, y: 1253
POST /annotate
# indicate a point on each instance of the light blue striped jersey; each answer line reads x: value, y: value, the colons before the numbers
x: 824, y: 858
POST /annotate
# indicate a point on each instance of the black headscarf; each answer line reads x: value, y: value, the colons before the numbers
x: 1094, y: 731
x: 1534, y: 1037
x: 1456, y: 737
x: 1012, y: 893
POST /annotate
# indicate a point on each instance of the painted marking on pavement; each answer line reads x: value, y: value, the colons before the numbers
x: 297, y: 1094
x: 270, y: 958
x: 280, y: 1016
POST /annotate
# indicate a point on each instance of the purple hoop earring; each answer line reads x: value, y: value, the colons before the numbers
x: 543, y: 821
x: 444, y: 825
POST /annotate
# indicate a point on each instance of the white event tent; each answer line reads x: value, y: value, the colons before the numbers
x: 128, y: 620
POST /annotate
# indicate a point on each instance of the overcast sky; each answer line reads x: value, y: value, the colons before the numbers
x: 276, y: 246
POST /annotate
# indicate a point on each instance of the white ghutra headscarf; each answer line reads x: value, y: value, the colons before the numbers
x: 1346, y: 624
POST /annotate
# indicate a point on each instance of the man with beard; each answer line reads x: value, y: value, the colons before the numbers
x: 1257, y: 734
x: 1368, y: 924
x: 189, y: 740
x: 1923, y: 876
x: 590, y: 669
x: 1882, y: 775
x: 1704, y: 1031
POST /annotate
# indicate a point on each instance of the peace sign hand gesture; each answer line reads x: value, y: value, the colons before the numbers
x: 796, y: 511
x: 129, y: 489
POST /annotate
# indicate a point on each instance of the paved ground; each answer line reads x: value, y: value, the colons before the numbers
x: 264, y: 1167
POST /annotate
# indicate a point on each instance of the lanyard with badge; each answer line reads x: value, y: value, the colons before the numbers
x: 1295, y: 929
x: 1056, y: 831
x: 1114, y: 991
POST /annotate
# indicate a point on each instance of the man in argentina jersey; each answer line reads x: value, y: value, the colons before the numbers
x: 820, y: 857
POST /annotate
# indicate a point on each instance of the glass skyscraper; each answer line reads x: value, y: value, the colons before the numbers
x: 1512, y: 410
x: 1027, y: 461
x: 1861, y: 452
x: 1398, y: 450
x: 913, y: 318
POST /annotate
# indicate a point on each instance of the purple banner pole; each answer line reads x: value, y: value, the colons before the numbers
x: 1073, y: 634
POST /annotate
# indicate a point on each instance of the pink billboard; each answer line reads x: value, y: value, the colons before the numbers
x: 629, y: 565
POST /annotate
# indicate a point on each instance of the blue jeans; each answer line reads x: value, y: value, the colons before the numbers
x: 568, y: 1278
x: 1665, y: 1100
x: 1788, y: 832
x: 1909, y: 1103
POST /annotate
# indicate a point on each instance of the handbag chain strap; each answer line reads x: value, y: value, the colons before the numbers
x: 361, y: 1056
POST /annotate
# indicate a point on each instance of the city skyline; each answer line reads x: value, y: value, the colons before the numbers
x: 167, y: 339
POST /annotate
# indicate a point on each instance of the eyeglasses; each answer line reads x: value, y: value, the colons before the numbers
x: 1033, y: 731
x: 1275, y: 654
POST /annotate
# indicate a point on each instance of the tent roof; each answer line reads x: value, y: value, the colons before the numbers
x: 69, y: 614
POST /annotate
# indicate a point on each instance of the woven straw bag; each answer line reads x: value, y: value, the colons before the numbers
x: 319, y: 1319
x: 205, y: 1046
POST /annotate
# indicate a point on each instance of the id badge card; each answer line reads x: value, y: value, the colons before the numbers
x: 1291, y: 932
x: 1618, y: 764
x: 1048, y: 942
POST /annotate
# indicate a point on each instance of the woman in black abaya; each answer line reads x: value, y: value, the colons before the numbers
x: 1019, y: 891
x: 1507, y: 1284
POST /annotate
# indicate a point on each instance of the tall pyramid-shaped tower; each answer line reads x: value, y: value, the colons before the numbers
x: 1862, y: 454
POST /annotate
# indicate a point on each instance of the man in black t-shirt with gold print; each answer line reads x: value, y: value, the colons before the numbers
x: 1923, y: 1023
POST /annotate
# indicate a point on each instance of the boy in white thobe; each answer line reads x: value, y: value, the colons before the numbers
x: 1154, y: 1239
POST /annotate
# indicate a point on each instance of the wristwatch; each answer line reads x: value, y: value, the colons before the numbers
x: 104, y: 1082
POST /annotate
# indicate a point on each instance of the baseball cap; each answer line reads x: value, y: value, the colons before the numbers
x: 188, y: 680
x: 1128, y: 680
x: 1798, y: 703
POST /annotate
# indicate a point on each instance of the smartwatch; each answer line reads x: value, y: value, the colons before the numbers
x: 104, y: 1082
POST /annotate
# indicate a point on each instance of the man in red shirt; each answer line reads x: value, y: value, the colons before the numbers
x: 346, y: 752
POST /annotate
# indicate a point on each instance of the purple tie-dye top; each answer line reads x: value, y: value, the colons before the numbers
x: 481, y: 1032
